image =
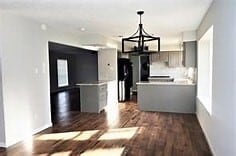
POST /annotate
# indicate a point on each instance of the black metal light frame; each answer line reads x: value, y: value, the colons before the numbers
x: 140, y: 37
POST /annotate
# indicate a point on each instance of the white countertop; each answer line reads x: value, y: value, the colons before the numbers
x: 97, y: 83
x: 160, y: 77
x: 178, y: 82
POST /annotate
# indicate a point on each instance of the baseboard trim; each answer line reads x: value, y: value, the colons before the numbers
x: 42, y: 128
x: 205, y: 135
x: 33, y: 133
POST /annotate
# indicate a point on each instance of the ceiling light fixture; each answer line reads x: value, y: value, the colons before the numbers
x: 140, y: 37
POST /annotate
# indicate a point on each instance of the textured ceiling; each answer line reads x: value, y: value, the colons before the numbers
x: 164, y: 18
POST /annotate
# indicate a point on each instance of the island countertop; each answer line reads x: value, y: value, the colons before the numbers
x: 176, y: 82
x: 92, y: 83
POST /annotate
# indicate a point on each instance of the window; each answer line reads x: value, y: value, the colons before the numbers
x: 62, y: 72
x: 205, y: 59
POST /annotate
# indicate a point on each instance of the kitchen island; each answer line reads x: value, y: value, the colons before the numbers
x: 96, y: 95
x: 93, y: 96
x: 177, y: 96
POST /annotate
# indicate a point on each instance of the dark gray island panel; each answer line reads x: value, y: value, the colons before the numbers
x: 167, y: 97
x: 93, y: 97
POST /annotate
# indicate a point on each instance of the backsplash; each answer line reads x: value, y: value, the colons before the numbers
x: 160, y: 68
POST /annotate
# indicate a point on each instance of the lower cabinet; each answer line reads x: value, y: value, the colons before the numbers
x: 93, y: 98
x: 167, y: 97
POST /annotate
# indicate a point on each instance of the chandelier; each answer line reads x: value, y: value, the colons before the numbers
x: 140, y: 38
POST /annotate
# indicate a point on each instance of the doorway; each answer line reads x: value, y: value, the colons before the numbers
x: 68, y: 66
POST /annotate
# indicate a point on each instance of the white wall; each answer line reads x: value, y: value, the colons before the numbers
x: 189, y: 36
x: 107, y: 64
x: 160, y: 68
x: 171, y: 47
x: 2, y: 124
x: 25, y: 78
x: 234, y: 82
x: 107, y: 70
x: 220, y: 127
x: 25, y: 75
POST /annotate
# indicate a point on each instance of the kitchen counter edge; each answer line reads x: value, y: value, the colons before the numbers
x: 95, y: 83
x: 167, y: 83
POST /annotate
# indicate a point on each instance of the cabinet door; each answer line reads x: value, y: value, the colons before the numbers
x: 175, y: 59
x: 155, y: 57
x: 190, y: 54
x: 164, y: 56
x: 102, y: 96
x: 160, y: 57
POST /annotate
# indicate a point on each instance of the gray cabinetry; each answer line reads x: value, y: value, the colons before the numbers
x: 93, y: 98
x: 166, y: 97
x: 160, y: 57
x: 171, y: 58
x: 164, y: 56
x: 175, y: 59
x: 190, y: 54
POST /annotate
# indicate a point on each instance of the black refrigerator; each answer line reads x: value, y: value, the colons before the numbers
x: 144, y: 67
x: 125, y: 79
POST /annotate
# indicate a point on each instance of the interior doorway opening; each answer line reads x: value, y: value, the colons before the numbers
x: 68, y: 66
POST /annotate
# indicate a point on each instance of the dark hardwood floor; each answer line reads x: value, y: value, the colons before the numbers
x: 122, y: 130
x: 64, y: 103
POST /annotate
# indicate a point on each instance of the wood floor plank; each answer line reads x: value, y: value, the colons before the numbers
x: 135, y: 133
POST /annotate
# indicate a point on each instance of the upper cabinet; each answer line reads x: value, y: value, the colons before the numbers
x: 187, y: 57
x: 164, y: 56
x: 190, y: 54
x: 160, y: 57
x: 175, y: 59
x: 170, y: 58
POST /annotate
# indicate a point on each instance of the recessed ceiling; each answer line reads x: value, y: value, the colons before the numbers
x: 112, y: 18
